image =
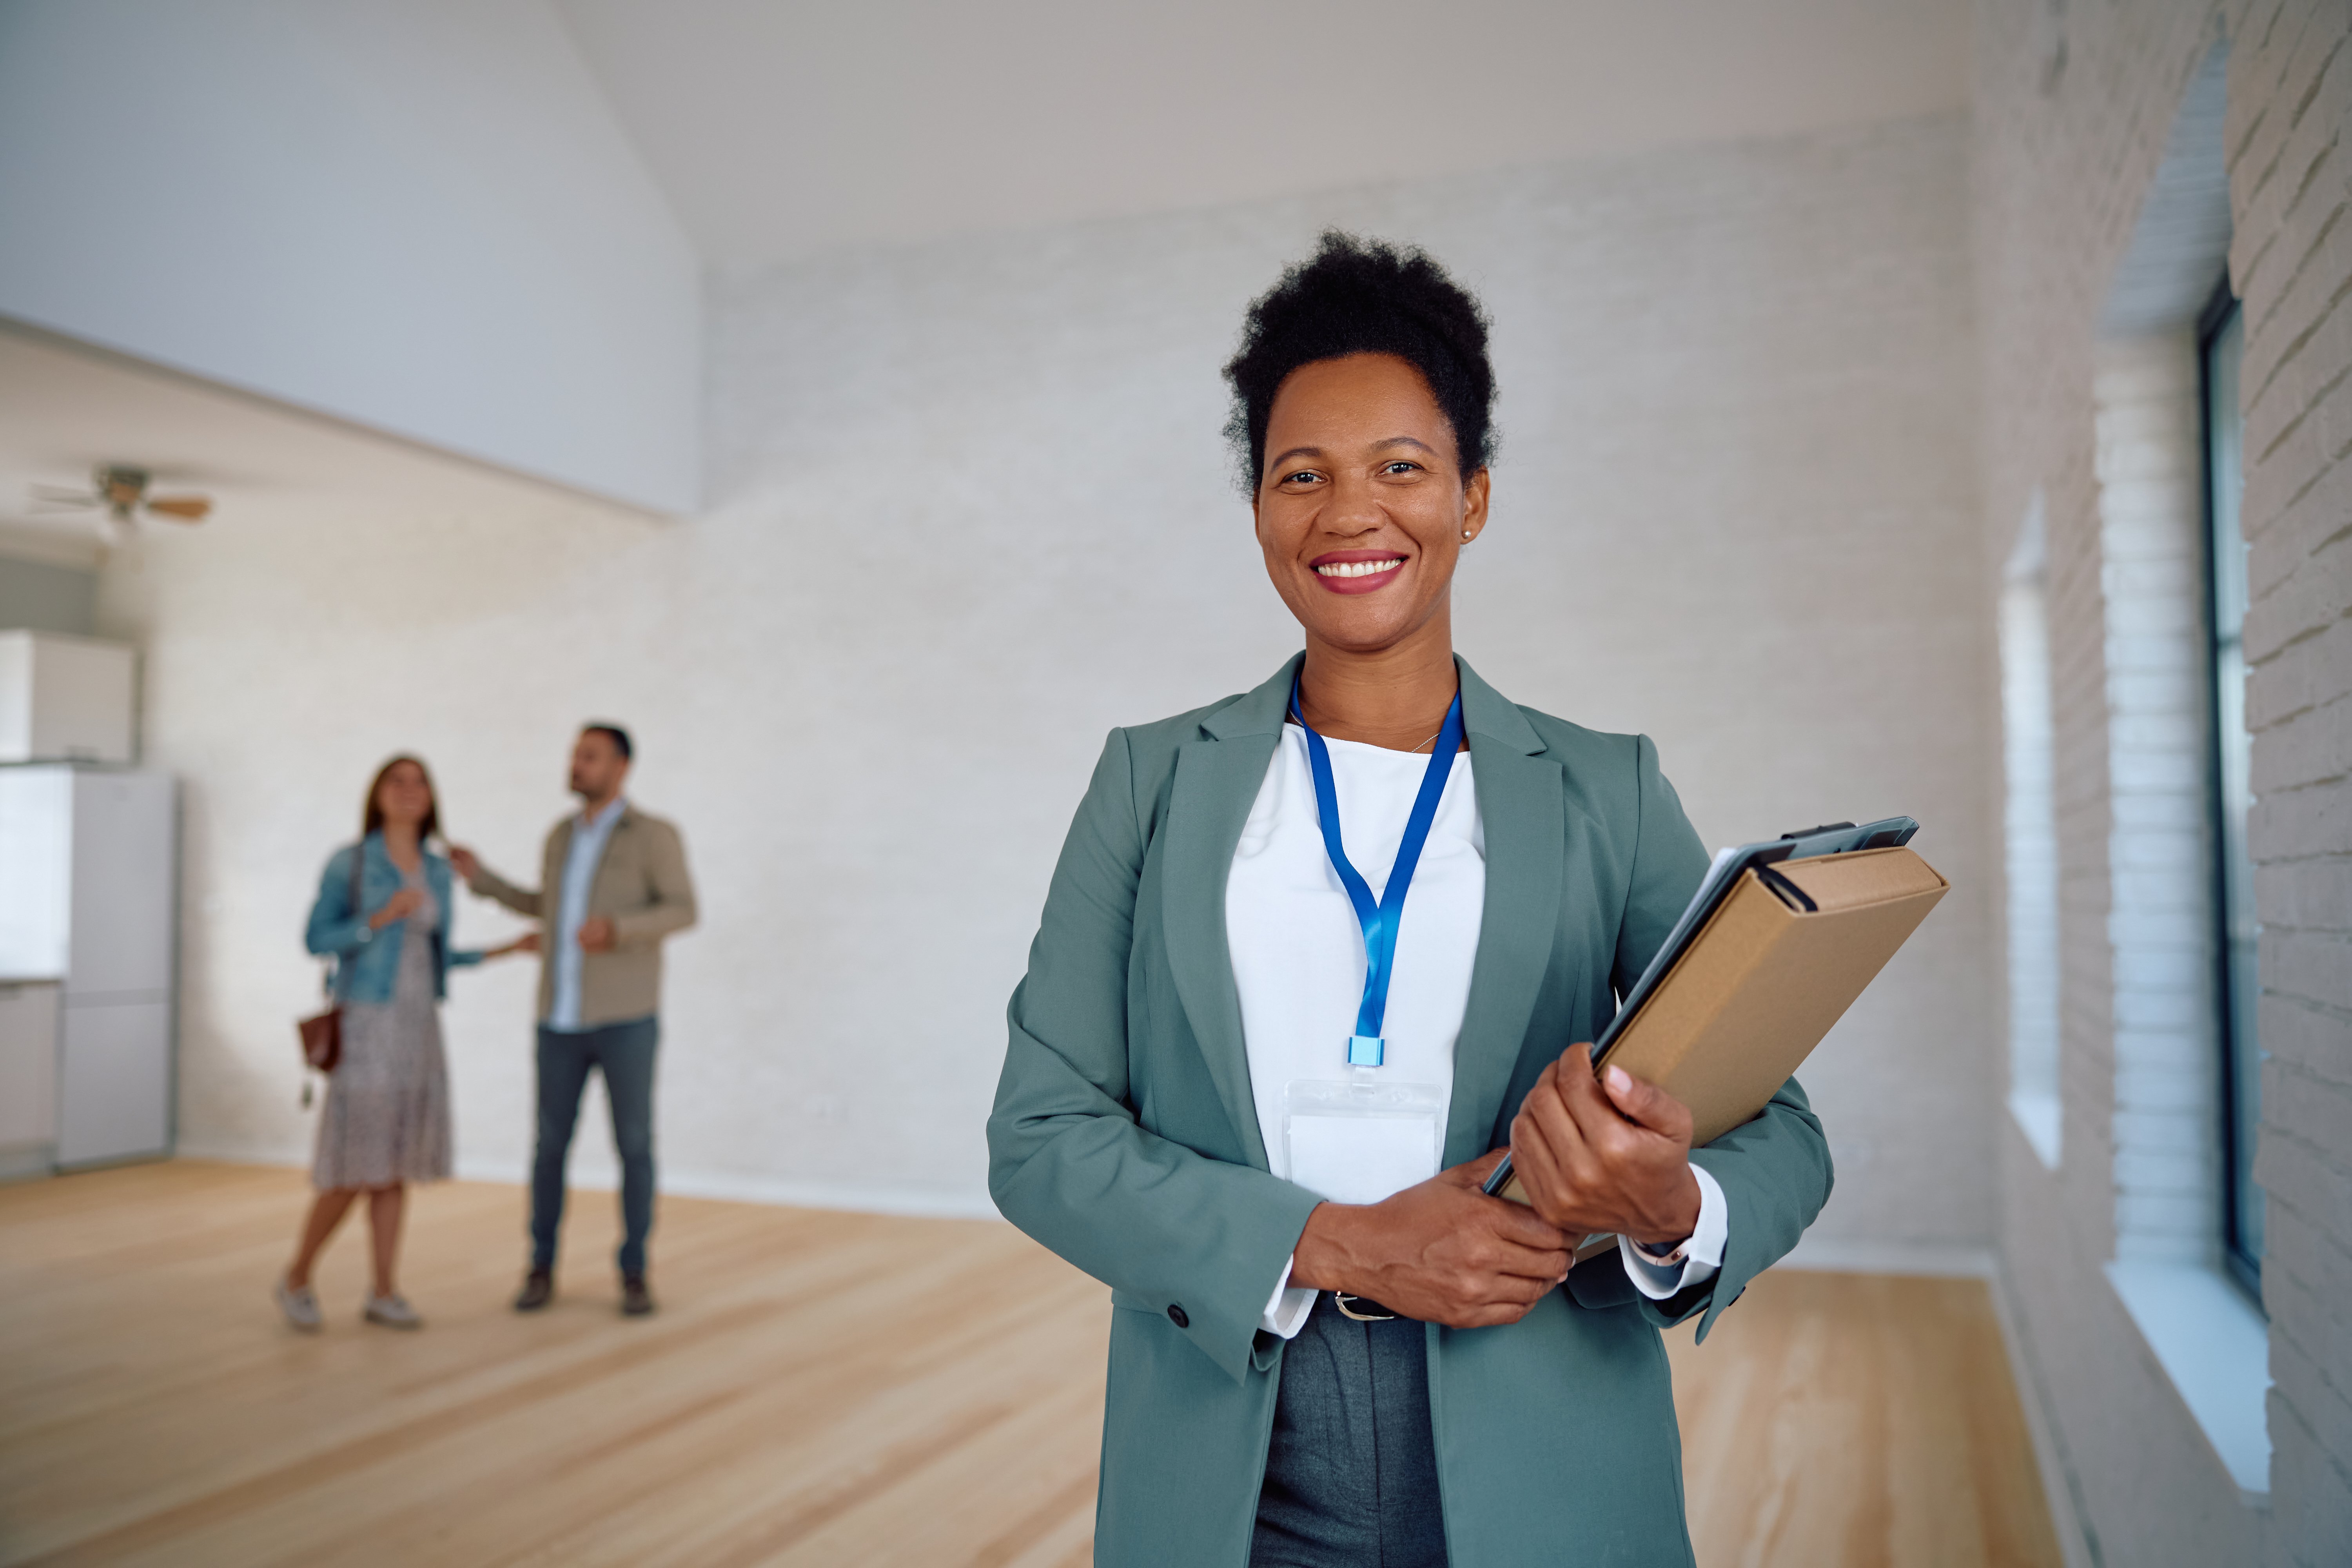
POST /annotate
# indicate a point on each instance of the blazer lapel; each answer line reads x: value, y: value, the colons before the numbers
x: 605, y: 857
x: 1521, y: 800
x: 550, y: 874
x: 1520, y: 804
x: 1217, y: 779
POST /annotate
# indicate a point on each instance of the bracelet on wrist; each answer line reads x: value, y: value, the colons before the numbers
x: 1668, y: 1252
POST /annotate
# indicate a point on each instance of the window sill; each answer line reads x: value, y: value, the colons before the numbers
x: 2037, y: 1116
x: 2215, y: 1346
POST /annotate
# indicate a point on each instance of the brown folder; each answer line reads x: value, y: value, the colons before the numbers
x: 1777, y: 964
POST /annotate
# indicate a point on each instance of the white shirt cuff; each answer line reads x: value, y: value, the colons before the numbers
x: 1702, y: 1254
x: 1285, y: 1310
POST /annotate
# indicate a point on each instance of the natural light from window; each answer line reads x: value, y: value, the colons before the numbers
x: 2031, y: 840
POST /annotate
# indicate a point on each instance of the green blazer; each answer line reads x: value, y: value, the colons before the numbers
x: 1125, y: 1138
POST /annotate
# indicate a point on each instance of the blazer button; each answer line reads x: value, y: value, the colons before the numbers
x: 1176, y: 1315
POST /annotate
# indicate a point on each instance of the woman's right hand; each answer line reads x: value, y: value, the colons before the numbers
x: 400, y: 905
x: 1442, y: 1252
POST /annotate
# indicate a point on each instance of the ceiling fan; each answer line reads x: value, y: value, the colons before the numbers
x: 119, y: 491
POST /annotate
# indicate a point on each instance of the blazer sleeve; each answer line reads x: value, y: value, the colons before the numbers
x: 524, y: 901
x: 335, y: 926
x: 671, y: 908
x: 1068, y: 1162
x: 1774, y: 1169
x: 1669, y: 863
x: 444, y: 879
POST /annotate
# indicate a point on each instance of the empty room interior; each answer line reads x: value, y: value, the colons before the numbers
x: 610, y: 953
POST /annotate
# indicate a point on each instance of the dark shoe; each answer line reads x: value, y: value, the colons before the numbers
x: 635, y: 1300
x: 538, y: 1290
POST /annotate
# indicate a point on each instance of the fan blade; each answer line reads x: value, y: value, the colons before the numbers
x: 180, y: 508
x: 59, y: 495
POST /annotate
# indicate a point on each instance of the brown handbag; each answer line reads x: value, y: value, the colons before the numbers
x: 322, y: 1033
x: 322, y: 1037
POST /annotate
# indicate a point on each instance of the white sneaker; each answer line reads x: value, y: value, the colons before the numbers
x: 393, y: 1312
x: 301, y: 1305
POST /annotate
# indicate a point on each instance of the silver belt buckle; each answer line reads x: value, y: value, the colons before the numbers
x: 1340, y: 1299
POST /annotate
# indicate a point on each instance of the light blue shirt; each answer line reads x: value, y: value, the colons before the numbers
x: 588, y: 836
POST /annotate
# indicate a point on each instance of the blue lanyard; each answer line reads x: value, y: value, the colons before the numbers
x: 1366, y: 1047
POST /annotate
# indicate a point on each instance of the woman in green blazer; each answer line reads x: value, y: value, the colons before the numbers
x: 1321, y: 1351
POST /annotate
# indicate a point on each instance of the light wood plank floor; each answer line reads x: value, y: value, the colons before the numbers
x: 818, y: 1388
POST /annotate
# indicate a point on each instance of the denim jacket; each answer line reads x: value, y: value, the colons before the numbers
x: 367, y: 962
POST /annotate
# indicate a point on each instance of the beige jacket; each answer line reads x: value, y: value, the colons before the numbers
x: 641, y: 883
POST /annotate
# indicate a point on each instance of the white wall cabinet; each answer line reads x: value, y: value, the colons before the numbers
x: 65, y: 698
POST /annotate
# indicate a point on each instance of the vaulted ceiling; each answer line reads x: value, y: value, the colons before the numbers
x: 781, y: 128
x: 778, y: 128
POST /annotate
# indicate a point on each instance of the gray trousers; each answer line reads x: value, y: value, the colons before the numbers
x: 624, y: 1054
x: 1351, y: 1475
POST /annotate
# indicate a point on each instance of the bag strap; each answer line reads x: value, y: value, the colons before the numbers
x: 330, y: 973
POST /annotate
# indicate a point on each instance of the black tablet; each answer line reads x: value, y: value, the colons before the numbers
x: 1830, y: 838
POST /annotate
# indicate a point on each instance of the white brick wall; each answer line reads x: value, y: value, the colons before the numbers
x: 2291, y: 107
x: 1735, y: 398
x: 972, y: 508
x: 2160, y: 923
x: 2062, y: 168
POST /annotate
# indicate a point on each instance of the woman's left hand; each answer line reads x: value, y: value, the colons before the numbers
x: 1607, y: 1154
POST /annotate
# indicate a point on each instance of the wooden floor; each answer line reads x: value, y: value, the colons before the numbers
x: 817, y: 1388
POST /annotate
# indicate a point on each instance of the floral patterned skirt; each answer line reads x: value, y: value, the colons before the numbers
x: 386, y: 1118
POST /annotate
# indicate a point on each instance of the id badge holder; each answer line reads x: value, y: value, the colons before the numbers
x: 1360, y: 1138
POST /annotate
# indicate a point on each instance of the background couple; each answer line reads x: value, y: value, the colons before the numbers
x: 612, y: 884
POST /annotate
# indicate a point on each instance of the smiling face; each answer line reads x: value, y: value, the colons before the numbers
x: 404, y: 795
x: 1363, y: 505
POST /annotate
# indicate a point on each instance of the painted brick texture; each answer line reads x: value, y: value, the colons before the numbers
x: 2291, y: 262
x: 2075, y: 104
x: 1738, y: 399
x: 2159, y: 932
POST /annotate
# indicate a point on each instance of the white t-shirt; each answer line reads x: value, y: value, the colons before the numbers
x: 1298, y: 949
x: 1298, y: 954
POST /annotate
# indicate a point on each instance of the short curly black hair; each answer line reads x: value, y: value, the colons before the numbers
x: 1364, y: 296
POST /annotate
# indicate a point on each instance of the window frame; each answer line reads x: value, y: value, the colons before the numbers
x: 2240, y: 1260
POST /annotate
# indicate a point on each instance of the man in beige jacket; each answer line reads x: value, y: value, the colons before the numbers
x: 612, y: 884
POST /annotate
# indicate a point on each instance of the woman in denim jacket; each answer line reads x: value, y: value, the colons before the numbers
x: 382, y: 914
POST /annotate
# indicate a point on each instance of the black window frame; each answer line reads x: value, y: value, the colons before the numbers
x: 2241, y: 1255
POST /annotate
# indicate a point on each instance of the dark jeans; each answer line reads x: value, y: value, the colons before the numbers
x: 625, y: 1052
x: 1351, y: 1475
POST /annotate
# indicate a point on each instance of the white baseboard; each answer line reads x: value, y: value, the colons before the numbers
x: 2059, y: 1486
x: 911, y: 1203
x: 1836, y: 1256
x: 1823, y: 1254
x: 243, y: 1154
